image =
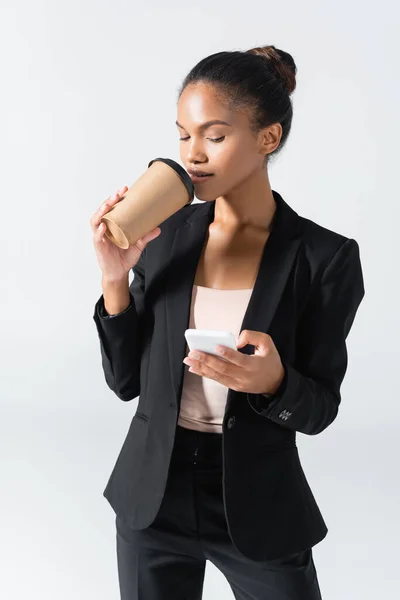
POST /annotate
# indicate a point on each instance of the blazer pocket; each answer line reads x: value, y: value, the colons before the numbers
x: 142, y: 417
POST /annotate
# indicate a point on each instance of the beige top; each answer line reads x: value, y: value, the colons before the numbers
x: 203, y: 399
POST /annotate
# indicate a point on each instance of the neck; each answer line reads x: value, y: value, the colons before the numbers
x: 249, y: 206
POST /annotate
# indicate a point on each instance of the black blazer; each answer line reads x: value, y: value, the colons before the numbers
x: 307, y: 292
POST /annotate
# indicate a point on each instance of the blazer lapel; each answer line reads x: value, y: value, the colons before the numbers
x: 278, y: 256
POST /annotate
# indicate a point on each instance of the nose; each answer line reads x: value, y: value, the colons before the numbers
x: 195, y: 154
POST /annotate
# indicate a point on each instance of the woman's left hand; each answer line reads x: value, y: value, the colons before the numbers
x: 258, y: 373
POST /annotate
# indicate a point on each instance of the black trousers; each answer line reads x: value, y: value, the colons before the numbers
x: 168, y: 559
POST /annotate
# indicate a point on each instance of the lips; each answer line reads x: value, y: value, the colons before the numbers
x: 198, y: 172
x: 198, y: 176
x: 199, y: 179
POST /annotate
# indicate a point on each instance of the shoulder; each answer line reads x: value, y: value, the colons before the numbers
x: 317, y: 235
x: 176, y: 219
x: 321, y: 244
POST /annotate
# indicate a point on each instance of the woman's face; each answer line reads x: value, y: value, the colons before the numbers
x: 230, y: 152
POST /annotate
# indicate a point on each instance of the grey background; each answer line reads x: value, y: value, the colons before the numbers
x: 88, y: 98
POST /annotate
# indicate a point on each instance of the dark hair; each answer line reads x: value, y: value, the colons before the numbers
x: 261, y: 79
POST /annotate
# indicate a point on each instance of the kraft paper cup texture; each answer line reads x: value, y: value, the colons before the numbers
x: 160, y: 191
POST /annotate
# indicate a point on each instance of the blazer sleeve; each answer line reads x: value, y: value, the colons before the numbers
x: 121, y: 338
x: 309, y: 397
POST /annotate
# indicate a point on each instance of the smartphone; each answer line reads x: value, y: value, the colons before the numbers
x: 206, y: 340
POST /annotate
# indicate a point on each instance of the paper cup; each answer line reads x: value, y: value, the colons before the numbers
x: 160, y: 192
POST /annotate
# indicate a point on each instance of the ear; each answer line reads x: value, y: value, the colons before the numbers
x: 270, y: 138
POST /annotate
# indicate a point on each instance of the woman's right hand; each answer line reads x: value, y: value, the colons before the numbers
x: 115, y: 263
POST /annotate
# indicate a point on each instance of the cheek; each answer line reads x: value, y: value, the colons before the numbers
x: 235, y: 155
x: 234, y: 165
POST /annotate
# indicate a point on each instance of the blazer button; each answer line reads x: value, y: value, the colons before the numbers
x: 231, y: 422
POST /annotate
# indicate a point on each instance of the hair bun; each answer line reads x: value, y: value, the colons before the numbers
x: 282, y: 62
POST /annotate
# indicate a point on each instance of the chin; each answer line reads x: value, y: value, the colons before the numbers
x: 206, y: 195
x: 204, y: 198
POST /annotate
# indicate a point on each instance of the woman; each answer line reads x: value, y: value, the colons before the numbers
x: 209, y: 468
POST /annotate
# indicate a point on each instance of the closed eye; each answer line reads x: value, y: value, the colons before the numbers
x: 217, y: 140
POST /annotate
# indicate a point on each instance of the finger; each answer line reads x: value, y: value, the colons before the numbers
x: 112, y: 200
x: 233, y: 356
x: 118, y: 195
x: 103, y: 209
x: 221, y: 377
x: 217, y: 365
x: 99, y: 235
x: 151, y: 235
x: 106, y: 207
x: 98, y: 215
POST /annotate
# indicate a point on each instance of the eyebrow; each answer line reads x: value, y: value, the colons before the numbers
x: 207, y: 124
